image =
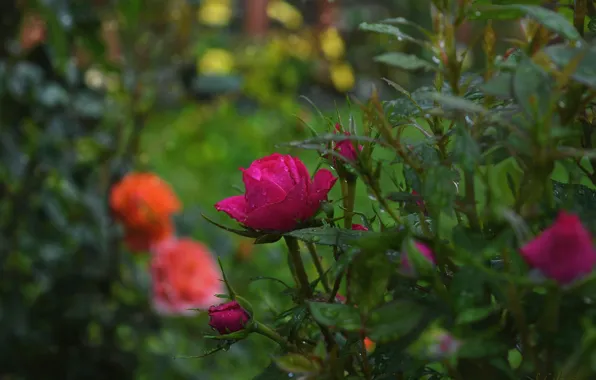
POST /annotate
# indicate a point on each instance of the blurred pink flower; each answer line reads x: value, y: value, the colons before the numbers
x: 185, y: 276
x: 562, y: 252
x: 279, y: 194
x: 358, y: 227
x: 228, y: 317
x: 407, y: 267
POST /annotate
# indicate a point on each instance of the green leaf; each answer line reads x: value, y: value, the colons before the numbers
x: 585, y: 71
x: 370, y: 272
x: 499, y: 85
x: 393, y: 320
x: 295, y: 363
x: 551, y: 20
x: 344, y: 317
x: 439, y: 188
x: 457, y: 103
x: 491, y: 12
x: 387, y: 29
x: 466, y: 150
x: 532, y: 89
x: 131, y: 11
x: 474, y: 315
x: 329, y: 236
x: 272, y: 372
x: 405, y: 61
x: 592, y: 24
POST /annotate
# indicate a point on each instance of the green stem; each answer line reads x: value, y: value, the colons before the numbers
x: 296, y: 258
x: 263, y: 329
x: 519, y: 316
x: 350, y: 198
x: 471, y: 200
x: 551, y: 324
x: 317, y: 260
x: 579, y: 15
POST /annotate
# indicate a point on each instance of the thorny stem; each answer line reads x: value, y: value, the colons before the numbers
x: 296, y: 259
x: 335, y: 289
x: 261, y: 328
x: 350, y: 198
x: 317, y: 261
x: 374, y: 187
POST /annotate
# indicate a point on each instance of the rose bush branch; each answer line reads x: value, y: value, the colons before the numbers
x: 318, y: 265
x: 305, y: 290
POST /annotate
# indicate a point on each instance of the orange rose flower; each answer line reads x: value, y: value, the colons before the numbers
x: 144, y: 203
x: 369, y: 345
x: 185, y: 276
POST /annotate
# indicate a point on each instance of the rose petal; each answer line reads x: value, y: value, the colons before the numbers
x: 274, y: 217
x: 234, y: 206
x: 322, y: 183
x: 260, y: 191
x: 291, y: 164
x: 274, y: 169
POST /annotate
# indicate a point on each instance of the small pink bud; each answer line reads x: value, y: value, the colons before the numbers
x: 359, y: 227
x: 346, y: 147
x: 228, y: 317
x: 420, y: 255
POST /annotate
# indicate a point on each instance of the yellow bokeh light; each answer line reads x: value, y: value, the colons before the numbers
x: 332, y: 44
x: 216, y: 61
x: 342, y: 76
x: 288, y: 15
x: 215, y: 12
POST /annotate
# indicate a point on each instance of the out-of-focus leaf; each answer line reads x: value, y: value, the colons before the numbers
x: 272, y: 372
x: 387, y: 29
x: 532, y: 89
x: 474, y: 314
x: 393, y: 320
x: 457, y: 103
x: 466, y: 151
x: 585, y: 71
x: 296, y: 363
x: 405, y: 61
x: 338, y: 315
x: 551, y: 20
x: 499, y: 85
x: 370, y: 272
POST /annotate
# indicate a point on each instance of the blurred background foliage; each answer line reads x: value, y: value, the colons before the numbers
x: 192, y: 90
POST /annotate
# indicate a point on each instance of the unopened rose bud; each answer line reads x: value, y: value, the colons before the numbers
x: 228, y: 317
x: 418, y: 259
x: 435, y: 344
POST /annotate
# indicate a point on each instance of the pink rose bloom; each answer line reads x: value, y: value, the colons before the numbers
x: 185, y: 276
x: 228, y: 317
x: 358, y: 227
x: 406, y: 266
x: 346, y: 147
x: 563, y: 252
x: 279, y: 194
